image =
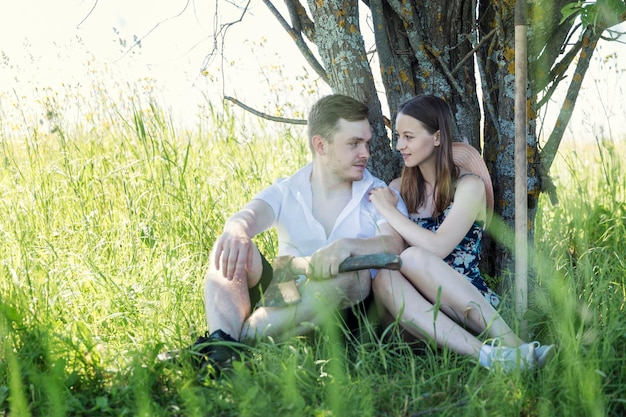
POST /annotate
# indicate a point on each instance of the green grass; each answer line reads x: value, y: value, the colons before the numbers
x: 105, y: 235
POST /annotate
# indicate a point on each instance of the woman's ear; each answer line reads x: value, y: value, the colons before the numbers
x: 319, y: 144
x: 437, y: 138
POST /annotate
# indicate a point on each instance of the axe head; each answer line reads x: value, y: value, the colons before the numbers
x: 283, y: 289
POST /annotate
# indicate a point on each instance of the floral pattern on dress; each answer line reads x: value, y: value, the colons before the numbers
x: 465, y: 257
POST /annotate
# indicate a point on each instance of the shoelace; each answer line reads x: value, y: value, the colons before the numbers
x: 505, y: 356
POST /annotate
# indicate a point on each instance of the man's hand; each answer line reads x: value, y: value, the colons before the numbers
x: 233, y: 255
x: 235, y: 250
x: 325, y: 261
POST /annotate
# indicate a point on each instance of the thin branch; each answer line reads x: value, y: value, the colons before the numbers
x: 138, y: 41
x: 221, y: 34
x: 557, y: 73
x: 88, y: 14
x: 444, y: 68
x: 265, y: 115
x: 297, y: 37
x: 548, y: 153
x: 471, y: 53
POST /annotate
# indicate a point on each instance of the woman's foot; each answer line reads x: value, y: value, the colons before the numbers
x: 505, y: 358
x: 543, y: 353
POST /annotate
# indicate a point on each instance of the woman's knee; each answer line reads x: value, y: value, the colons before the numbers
x: 416, y: 259
x: 386, y: 284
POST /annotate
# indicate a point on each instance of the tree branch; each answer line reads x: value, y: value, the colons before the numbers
x: 300, y: 20
x: 548, y: 153
x: 557, y: 73
x: 88, y: 14
x: 471, y: 53
x: 265, y: 115
x: 297, y: 37
x: 221, y: 32
x: 137, y: 41
x: 445, y: 69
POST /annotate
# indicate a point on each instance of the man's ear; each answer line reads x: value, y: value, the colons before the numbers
x: 319, y: 144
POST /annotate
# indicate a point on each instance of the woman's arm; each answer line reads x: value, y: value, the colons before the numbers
x: 469, y: 205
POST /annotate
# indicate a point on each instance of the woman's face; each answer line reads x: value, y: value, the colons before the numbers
x: 416, y: 144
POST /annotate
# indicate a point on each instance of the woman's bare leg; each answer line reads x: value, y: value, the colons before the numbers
x: 459, y: 298
x: 417, y: 314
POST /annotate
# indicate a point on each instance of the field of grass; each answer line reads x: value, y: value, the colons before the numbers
x: 105, y: 235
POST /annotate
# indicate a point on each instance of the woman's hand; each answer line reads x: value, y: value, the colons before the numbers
x: 383, y: 198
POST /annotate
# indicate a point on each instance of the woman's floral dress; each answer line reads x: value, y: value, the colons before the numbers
x: 465, y: 257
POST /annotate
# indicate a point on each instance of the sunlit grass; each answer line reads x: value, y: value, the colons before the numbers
x: 105, y: 241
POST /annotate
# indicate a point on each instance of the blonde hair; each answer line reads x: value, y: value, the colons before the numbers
x: 327, y: 111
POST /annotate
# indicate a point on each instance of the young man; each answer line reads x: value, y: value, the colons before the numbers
x: 322, y: 213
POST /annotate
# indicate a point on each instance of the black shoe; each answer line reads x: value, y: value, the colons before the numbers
x: 216, y: 350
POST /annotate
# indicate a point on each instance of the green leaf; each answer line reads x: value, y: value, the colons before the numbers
x: 569, y: 10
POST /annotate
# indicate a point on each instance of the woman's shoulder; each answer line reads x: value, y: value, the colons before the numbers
x: 469, y: 179
x: 395, y: 183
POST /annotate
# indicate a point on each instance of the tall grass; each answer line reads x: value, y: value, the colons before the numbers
x: 105, y: 239
x: 584, y: 272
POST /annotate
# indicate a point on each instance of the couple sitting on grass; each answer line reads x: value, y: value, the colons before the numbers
x: 433, y: 216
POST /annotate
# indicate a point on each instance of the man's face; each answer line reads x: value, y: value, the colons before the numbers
x: 347, y: 155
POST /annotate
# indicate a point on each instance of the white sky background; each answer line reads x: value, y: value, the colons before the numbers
x: 54, y: 44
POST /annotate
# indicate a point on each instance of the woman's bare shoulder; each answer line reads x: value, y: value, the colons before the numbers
x: 395, y: 184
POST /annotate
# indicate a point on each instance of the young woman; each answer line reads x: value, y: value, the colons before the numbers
x: 448, y: 206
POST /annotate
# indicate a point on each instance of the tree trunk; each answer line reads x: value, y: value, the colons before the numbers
x: 496, y: 63
x: 342, y: 50
x: 426, y: 47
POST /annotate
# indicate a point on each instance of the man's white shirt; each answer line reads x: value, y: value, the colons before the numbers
x: 299, y: 232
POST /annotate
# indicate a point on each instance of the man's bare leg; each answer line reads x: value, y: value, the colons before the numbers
x: 227, y: 303
x: 319, y: 299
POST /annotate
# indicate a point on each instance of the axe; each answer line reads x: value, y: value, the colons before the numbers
x: 291, y: 272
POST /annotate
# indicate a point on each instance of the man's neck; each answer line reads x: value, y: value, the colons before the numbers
x: 330, y: 197
x: 326, y: 185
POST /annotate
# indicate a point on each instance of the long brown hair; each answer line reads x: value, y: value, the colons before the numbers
x: 434, y: 113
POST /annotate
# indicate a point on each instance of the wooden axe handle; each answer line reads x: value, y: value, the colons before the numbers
x: 283, y: 290
x: 373, y: 261
x: 287, y: 268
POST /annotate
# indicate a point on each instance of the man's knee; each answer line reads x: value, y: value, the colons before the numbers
x: 382, y: 284
x: 355, y: 287
x: 253, y: 275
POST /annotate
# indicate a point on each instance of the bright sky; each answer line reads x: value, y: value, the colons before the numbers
x: 57, y: 43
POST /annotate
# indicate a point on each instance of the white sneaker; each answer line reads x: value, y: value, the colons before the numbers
x: 505, y: 358
x: 543, y: 353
